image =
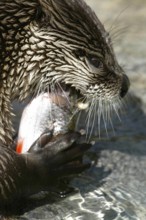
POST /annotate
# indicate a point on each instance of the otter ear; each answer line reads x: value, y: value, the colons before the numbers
x: 43, y: 12
x: 47, y: 8
x: 44, y: 5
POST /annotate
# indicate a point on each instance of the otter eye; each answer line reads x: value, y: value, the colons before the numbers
x: 95, y: 61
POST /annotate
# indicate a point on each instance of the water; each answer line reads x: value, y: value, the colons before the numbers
x: 115, y: 187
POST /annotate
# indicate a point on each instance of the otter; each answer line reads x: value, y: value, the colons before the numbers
x: 47, y: 45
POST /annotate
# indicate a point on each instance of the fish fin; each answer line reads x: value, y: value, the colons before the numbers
x: 19, y: 147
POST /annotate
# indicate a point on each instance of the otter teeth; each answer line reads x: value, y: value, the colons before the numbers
x: 82, y: 106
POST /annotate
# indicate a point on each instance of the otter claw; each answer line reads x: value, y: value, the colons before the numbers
x: 70, y: 154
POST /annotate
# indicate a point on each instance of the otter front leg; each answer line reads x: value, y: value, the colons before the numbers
x: 26, y: 174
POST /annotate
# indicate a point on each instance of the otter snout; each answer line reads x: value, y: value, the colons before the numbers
x: 125, y: 86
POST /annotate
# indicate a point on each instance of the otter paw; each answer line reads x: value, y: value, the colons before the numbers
x: 61, y: 155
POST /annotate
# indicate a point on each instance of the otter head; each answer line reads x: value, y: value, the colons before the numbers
x: 64, y: 45
x: 79, y: 53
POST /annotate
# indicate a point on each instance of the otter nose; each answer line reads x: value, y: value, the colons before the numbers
x: 125, y: 86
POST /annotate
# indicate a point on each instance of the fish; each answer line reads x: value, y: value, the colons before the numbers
x: 46, y: 112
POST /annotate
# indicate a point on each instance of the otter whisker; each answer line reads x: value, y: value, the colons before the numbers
x: 78, y: 113
x: 93, y: 118
x: 89, y: 117
x: 99, y: 116
x: 64, y: 93
x: 37, y: 89
x: 108, y: 112
x: 122, y: 106
x: 129, y: 97
x: 117, y: 18
x: 116, y: 111
x: 117, y: 33
x: 57, y: 93
x: 51, y: 91
x: 75, y: 112
x: 110, y: 118
x: 104, y: 115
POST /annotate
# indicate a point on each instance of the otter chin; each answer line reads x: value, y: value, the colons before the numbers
x: 52, y: 46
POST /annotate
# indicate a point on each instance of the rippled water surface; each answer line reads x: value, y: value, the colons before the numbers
x: 115, y: 187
